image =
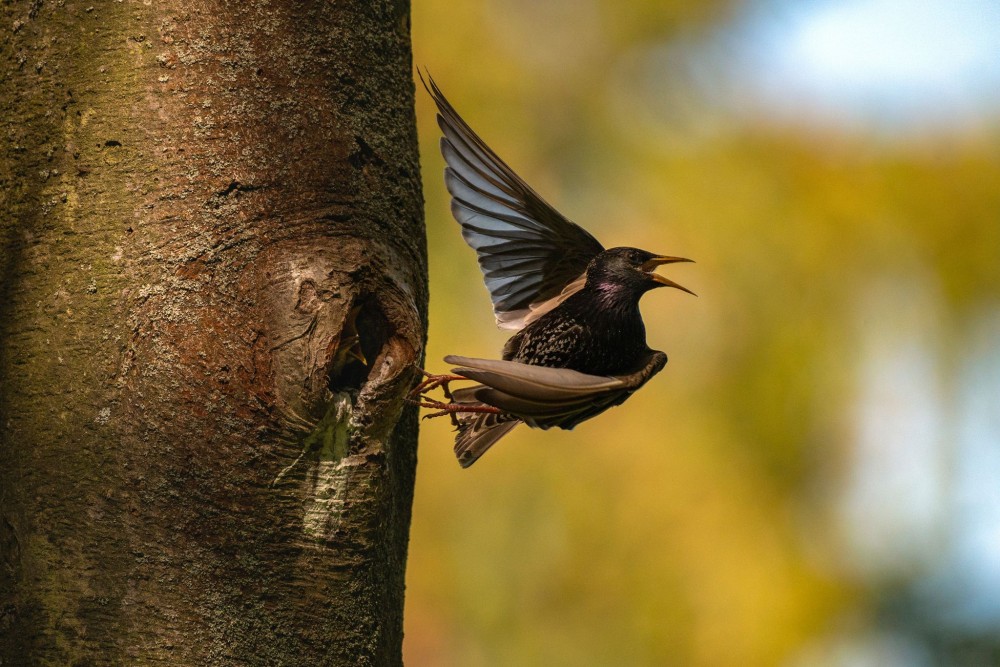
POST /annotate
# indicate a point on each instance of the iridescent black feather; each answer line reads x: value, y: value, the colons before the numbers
x: 581, y: 345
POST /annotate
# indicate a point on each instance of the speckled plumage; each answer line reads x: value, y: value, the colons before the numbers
x: 598, y: 330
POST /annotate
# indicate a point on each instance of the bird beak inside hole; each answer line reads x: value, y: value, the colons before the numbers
x: 650, y: 265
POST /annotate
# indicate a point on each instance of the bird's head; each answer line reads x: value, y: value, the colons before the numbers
x: 630, y: 270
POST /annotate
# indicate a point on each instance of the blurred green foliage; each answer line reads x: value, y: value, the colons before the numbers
x: 697, y: 523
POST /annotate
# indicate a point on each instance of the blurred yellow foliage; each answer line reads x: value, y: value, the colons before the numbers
x: 696, y: 524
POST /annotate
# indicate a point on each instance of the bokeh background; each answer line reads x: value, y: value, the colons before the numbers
x: 815, y: 477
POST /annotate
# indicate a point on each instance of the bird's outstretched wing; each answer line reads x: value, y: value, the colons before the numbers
x: 544, y: 397
x: 531, y: 256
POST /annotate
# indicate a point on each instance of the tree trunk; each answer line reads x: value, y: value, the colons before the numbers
x: 213, y: 294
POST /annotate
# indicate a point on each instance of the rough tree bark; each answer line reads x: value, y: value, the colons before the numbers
x: 213, y: 292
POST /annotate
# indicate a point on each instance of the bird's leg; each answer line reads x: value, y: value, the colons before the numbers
x: 417, y: 396
x: 453, y: 408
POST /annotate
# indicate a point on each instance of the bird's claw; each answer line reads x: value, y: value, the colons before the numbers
x: 432, y: 382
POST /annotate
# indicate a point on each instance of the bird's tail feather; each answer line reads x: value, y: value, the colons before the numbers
x: 478, y: 431
x: 477, y: 435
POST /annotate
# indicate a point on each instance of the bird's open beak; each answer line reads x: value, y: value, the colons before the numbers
x: 650, y: 266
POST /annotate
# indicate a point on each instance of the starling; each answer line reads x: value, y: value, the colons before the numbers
x: 580, y: 346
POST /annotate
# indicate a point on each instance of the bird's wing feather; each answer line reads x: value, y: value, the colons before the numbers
x: 545, y: 397
x: 528, y: 252
x: 528, y: 380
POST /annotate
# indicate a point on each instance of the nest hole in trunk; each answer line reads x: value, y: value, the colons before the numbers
x: 366, y: 332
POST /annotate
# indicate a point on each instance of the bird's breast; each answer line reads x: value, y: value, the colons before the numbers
x: 589, y: 340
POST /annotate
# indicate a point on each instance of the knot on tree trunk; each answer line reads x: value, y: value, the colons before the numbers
x: 341, y: 325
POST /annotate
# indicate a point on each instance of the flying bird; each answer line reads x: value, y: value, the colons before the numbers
x: 580, y: 346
